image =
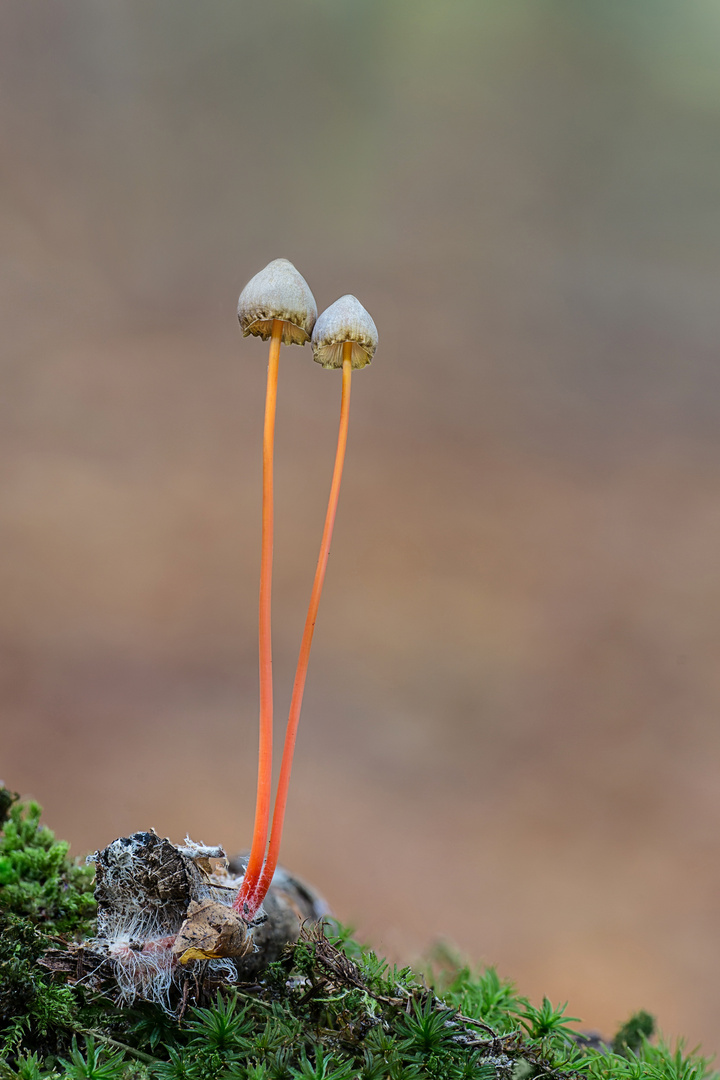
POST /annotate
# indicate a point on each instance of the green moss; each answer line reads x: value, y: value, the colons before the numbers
x: 37, y: 880
x: 330, y: 1009
x: 35, y: 1012
x: 636, y: 1031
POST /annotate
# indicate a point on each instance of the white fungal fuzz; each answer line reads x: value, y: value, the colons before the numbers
x: 201, y: 851
x: 143, y: 969
x: 224, y: 968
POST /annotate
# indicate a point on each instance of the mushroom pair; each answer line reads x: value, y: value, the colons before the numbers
x: 278, y: 304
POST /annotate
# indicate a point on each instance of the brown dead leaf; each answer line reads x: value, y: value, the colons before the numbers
x: 210, y: 931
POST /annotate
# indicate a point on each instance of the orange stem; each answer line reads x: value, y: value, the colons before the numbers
x: 302, y: 666
x: 264, y: 788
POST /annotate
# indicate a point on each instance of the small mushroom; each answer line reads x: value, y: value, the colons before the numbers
x: 345, y: 321
x: 277, y: 304
x: 344, y: 336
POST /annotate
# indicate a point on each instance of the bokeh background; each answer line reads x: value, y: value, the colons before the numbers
x: 510, y: 738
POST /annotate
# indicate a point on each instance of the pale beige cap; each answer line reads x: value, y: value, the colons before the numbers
x: 345, y: 320
x: 278, y: 292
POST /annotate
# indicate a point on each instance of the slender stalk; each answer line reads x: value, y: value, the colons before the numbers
x: 302, y: 666
x: 264, y: 788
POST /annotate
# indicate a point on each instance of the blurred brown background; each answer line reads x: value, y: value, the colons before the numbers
x: 510, y: 737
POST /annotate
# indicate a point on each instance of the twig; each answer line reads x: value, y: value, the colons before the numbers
x: 139, y: 1054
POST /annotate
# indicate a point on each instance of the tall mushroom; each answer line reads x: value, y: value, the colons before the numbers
x: 277, y: 303
x: 344, y: 337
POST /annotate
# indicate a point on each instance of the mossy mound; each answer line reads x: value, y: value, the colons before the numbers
x: 330, y: 1009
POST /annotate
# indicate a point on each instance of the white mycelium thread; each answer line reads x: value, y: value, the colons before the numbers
x: 146, y: 968
x: 224, y: 968
x: 143, y: 962
x: 148, y: 976
x: 137, y: 933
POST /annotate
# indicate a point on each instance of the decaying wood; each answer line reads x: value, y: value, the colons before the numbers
x: 165, y: 919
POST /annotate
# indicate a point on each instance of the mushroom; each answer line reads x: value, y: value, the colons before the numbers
x: 344, y: 337
x: 277, y: 303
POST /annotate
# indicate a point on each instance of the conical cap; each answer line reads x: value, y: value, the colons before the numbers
x: 345, y: 320
x: 278, y: 292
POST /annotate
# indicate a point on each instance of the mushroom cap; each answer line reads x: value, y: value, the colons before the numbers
x: 345, y: 320
x: 278, y: 292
